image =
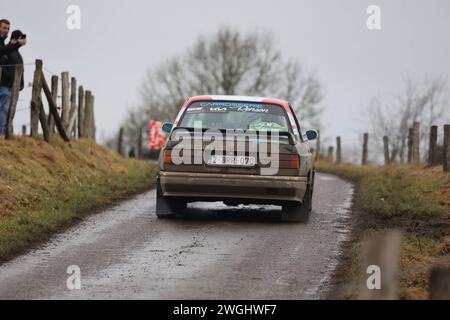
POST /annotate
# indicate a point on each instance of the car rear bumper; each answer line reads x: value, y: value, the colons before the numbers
x: 232, y: 186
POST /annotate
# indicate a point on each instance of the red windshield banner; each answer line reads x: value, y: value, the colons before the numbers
x: 156, y: 138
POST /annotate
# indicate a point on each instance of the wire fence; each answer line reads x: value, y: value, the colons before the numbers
x: 432, y: 147
x: 69, y: 110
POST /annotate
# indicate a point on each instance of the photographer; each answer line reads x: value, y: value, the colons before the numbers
x: 13, y: 45
x: 9, y: 57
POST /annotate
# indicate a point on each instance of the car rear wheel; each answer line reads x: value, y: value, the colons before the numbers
x: 296, y: 211
x: 167, y: 207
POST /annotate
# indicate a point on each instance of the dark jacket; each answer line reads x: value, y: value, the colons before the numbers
x: 5, y: 49
x: 9, y: 58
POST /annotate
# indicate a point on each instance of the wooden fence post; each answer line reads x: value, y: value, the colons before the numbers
x: 88, y: 116
x: 71, y: 131
x: 36, y: 93
x: 43, y: 120
x: 0, y: 72
x: 87, y: 101
x: 139, y: 144
x: 51, y: 121
x: 120, y: 142
x: 432, y: 156
x: 15, y: 90
x: 416, y: 143
x: 410, y: 144
x: 440, y: 282
x: 24, y: 130
x: 447, y: 148
x: 93, y: 127
x: 65, y: 100
x: 318, y: 145
x: 330, y: 153
x: 338, y: 150
x: 380, y: 266
x: 365, y: 151
x: 54, y: 110
x: 80, y: 112
x: 386, y: 150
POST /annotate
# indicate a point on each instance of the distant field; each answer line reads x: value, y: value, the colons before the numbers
x: 44, y: 187
x: 412, y: 199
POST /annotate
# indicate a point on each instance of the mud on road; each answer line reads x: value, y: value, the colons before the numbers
x: 212, y: 252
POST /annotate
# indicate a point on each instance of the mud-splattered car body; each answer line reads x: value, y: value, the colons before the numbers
x: 235, y: 176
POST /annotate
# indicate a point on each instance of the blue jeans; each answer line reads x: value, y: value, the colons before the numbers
x: 5, y: 98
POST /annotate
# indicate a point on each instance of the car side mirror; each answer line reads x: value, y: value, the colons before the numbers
x: 311, y: 135
x: 167, y: 127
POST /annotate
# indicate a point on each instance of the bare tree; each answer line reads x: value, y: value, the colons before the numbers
x: 304, y: 91
x: 228, y: 63
x: 425, y: 102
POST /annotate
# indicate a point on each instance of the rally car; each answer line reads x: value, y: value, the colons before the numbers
x: 239, y: 150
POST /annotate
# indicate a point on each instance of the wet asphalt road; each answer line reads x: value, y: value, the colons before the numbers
x: 213, y: 252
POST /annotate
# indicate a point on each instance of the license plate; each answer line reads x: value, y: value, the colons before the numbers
x: 238, y: 161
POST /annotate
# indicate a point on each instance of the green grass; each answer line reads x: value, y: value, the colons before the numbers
x: 396, y: 190
x: 46, y: 187
x: 412, y: 199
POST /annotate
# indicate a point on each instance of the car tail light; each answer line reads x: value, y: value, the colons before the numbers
x: 289, y: 161
x: 167, y: 157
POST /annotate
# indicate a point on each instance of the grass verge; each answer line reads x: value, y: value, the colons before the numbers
x: 46, y: 187
x: 412, y: 199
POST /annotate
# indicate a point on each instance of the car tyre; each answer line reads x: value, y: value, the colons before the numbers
x: 296, y: 211
x: 167, y: 207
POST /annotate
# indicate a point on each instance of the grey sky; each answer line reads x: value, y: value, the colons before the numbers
x: 119, y: 40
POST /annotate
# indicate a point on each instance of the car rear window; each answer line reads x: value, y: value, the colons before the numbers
x: 236, y: 115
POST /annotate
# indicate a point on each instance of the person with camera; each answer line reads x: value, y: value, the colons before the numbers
x: 9, y: 57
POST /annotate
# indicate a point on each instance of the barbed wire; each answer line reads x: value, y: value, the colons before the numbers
x: 29, y: 85
x: 29, y: 64
x: 17, y: 64
x: 49, y: 71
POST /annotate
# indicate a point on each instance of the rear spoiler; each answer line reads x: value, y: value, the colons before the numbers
x: 250, y: 133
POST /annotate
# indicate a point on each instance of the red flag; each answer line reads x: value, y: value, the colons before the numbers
x: 156, y: 138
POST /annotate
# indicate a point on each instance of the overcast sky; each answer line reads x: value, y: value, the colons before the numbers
x: 119, y: 40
